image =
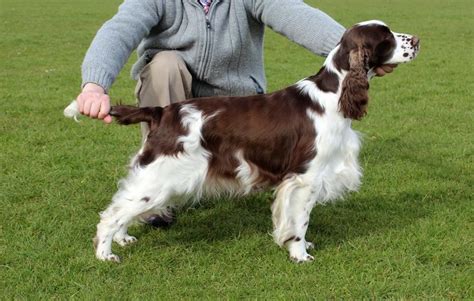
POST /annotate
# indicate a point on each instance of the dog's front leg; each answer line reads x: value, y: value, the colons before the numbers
x: 291, y: 211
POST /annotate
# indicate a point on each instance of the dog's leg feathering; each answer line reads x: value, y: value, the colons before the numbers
x: 290, y: 215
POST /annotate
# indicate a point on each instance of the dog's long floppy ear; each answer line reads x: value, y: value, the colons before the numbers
x: 355, y: 87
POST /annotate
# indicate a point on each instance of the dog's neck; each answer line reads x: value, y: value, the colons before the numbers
x: 337, y: 61
x: 348, y: 87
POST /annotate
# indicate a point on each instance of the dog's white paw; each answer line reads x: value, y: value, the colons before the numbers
x: 126, y: 240
x: 301, y: 259
x: 298, y: 251
x: 109, y: 257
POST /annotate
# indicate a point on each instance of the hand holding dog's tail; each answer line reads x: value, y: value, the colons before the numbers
x: 123, y: 114
x: 73, y: 111
x: 93, y: 102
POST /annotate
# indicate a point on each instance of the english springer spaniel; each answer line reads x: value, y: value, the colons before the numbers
x: 297, y: 140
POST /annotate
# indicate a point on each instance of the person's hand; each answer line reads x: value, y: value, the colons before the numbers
x: 93, y: 102
x: 384, y: 69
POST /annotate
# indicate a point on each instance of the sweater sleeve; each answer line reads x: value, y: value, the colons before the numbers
x: 116, y: 40
x: 301, y: 23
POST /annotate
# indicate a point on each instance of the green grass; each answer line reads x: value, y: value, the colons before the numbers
x: 406, y: 235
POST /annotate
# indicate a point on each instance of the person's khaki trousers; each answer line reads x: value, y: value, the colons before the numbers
x: 164, y: 80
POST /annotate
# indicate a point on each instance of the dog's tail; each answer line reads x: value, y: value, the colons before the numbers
x: 130, y: 114
x: 72, y: 111
x: 123, y: 114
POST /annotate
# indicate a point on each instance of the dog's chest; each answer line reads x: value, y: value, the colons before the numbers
x: 335, y: 168
x: 335, y: 137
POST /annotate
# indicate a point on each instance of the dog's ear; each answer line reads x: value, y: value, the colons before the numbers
x: 355, y: 87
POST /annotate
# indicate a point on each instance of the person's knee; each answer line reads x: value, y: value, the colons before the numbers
x: 164, y: 80
x: 165, y: 65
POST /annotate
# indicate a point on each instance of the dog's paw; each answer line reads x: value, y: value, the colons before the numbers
x: 109, y: 257
x: 302, y: 259
x: 309, y: 245
x: 126, y: 240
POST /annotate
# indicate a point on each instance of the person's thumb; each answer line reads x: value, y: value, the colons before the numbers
x: 108, y: 119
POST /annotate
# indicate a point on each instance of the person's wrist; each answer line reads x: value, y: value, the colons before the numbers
x: 91, y: 87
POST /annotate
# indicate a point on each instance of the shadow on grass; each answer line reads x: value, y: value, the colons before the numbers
x: 330, y: 224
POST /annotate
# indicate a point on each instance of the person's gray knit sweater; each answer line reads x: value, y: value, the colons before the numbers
x: 223, y: 50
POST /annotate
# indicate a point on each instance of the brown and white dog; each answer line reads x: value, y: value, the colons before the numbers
x: 298, y: 140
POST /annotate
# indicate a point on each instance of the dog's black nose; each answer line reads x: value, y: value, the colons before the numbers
x: 415, y: 41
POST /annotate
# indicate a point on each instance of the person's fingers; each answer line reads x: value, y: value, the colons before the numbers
x: 80, y: 103
x: 384, y: 69
x: 104, y: 107
x: 93, y: 102
x: 387, y: 69
x: 95, y: 108
x: 90, y: 104
x: 87, y: 106
x: 379, y: 71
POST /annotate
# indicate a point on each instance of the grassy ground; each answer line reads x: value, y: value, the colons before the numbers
x: 406, y: 235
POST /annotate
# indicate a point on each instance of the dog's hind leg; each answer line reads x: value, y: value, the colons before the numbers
x: 114, y: 223
x: 154, y: 188
x: 290, y: 214
x: 122, y: 237
x: 131, y: 201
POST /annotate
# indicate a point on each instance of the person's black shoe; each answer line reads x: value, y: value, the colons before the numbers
x: 161, y: 221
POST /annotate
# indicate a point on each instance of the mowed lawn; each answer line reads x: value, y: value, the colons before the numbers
x: 408, y: 233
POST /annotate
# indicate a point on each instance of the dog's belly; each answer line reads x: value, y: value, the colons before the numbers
x: 253, y: 164
x: 240, y: 172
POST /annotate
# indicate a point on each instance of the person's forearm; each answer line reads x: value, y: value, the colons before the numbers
x: 116, y: 40
x: 305, y: 25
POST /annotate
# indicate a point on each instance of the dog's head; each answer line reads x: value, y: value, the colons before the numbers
x: 371, y: 44
x: 364, y: 47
